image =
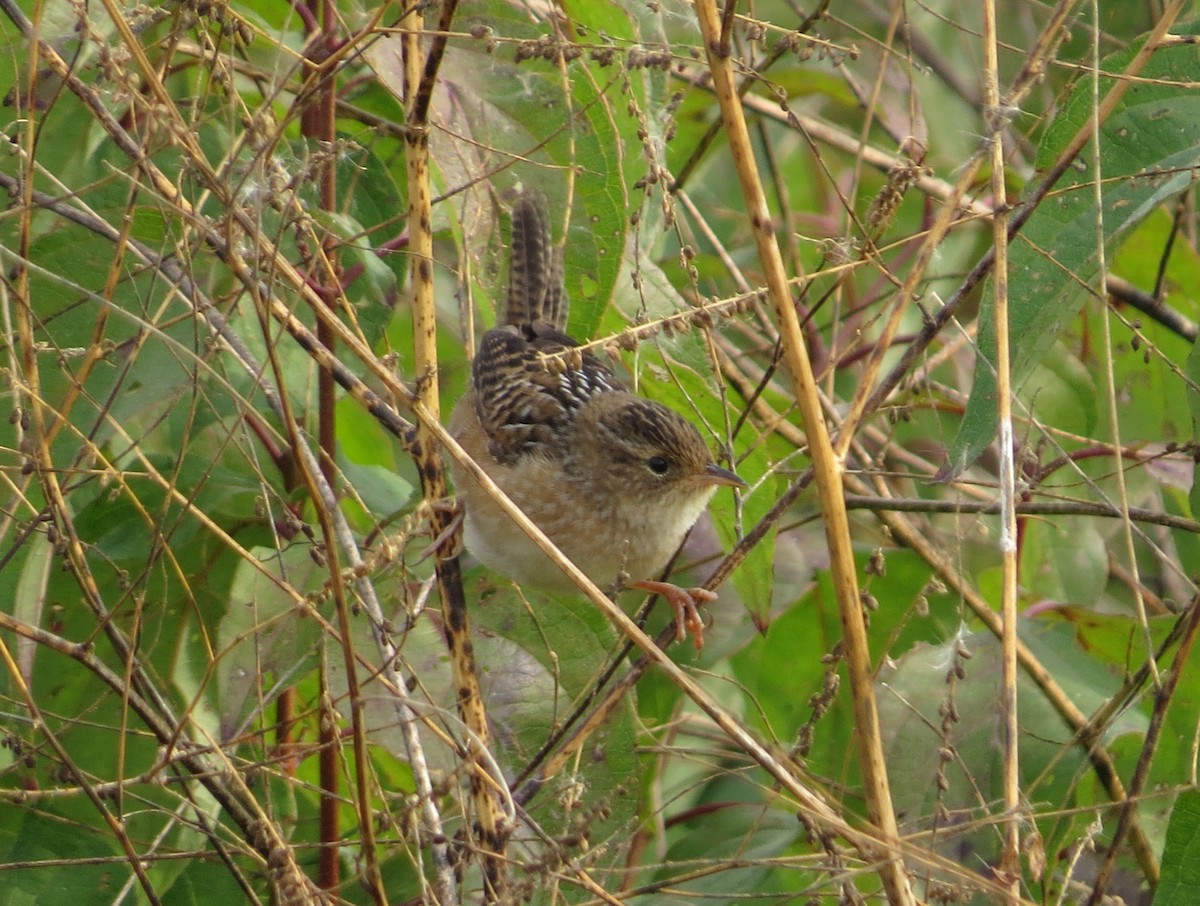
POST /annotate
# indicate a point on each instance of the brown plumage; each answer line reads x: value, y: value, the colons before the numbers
x: 613, y: 479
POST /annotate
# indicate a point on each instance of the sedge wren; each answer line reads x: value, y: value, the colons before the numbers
x: 613, y: 479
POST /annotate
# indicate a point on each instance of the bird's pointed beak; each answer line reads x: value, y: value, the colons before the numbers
x: 714, y: 474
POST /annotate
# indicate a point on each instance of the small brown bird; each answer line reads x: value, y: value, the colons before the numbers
x: 614, y: 480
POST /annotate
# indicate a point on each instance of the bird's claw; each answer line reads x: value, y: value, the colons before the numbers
x: 684, y: 601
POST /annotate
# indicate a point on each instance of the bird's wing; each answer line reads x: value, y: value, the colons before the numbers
x: 526, y: 397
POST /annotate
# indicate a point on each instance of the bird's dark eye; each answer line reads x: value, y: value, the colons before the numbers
x: 658, y: 465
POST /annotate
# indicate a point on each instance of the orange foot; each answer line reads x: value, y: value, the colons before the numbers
x: 683, y: 601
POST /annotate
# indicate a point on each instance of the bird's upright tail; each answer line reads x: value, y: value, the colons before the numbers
x: 535, y: 272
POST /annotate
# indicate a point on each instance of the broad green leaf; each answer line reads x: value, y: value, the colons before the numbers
x: 536, y: 660
x: 570, y: 133
x: 374, y: 205
x: 730, y: 845
x: 913, y: 692
x: 265, y: 641
x: 367, y: 458
x: 1107, y: 638
x: 1181, y: 857
x: 29, y: 835
x: 1192, y: 367
x: 1065, y: 560
x: 1150, y: 147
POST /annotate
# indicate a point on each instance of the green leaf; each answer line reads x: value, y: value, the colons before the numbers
x: 1181, y: 856
x: 373, y: 202
x: 735, y: 830
x: 782, y: 667
x: 1065, y: 560
x: 29, y: 835
x: 1150, y: 148
x: 913, y: 692
x: 367, y: 458
x: 535, y: 662
x: 265, y: 640
x: 1192, y: 368
x: 754, y: 578
x: 571, y: 131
